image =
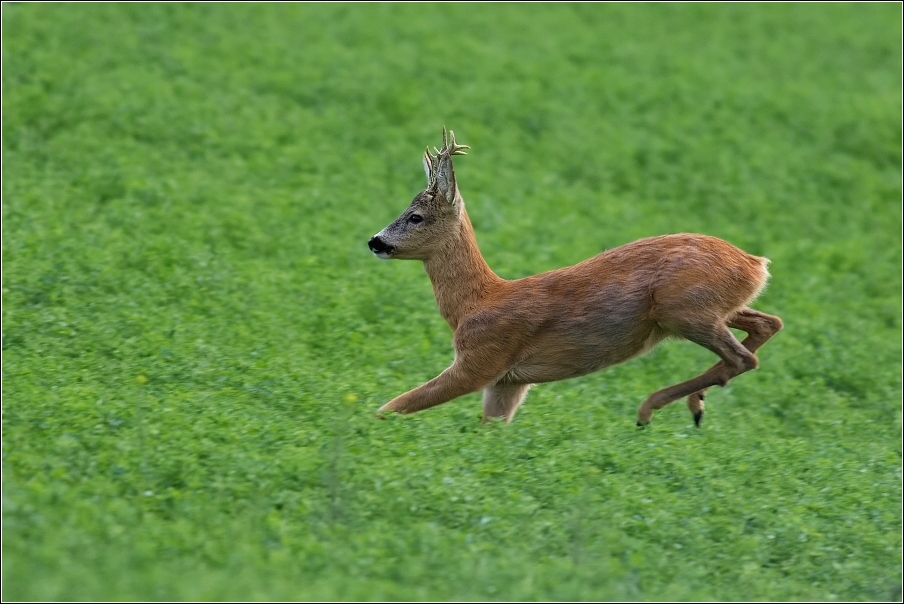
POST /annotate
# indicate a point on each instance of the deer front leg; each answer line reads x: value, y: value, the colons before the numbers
x: 450, y: 384
x: 502, y: 400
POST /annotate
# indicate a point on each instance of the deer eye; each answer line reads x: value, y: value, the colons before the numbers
x: 415, y: 218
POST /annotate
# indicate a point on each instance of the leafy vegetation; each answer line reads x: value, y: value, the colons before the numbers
x: 195, y: 336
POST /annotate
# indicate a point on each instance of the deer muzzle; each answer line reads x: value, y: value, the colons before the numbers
x: 380, y: 248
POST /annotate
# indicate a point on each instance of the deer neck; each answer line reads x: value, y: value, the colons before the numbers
x: 461, y: 277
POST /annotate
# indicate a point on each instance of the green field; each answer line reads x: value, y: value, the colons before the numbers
x: 196, y: 337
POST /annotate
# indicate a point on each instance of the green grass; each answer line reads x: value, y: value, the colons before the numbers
x: 195, y: 336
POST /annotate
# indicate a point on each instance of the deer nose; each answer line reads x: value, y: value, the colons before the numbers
x: 378, y: 246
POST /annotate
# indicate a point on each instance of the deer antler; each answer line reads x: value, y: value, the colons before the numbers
x: 450, y: 148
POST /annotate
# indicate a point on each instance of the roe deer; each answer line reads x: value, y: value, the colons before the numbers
x: 509, y: 335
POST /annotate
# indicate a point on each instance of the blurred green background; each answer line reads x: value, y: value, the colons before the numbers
x: 195, y: 336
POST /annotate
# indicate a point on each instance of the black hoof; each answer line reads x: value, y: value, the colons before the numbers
x: 642, y: 425
x: 698, y: 417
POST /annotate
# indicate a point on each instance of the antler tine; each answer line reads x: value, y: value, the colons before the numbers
x: 449, y: 145
x: 456, y: 149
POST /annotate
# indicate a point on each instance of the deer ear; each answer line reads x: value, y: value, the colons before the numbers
x: 428, y: 167
x: 445, y: 178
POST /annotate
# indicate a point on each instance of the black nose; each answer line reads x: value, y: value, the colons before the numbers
x: 377, y: 246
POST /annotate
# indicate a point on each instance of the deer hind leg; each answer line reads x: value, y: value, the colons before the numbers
x: 759, y: 327
x: 736, y: 359
x: 502, y: 400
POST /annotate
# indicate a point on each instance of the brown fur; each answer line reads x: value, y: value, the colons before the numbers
x: 576, y: 320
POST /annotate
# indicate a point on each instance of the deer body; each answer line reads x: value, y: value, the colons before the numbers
x: 511, y: 334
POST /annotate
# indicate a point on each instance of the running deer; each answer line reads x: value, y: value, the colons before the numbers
x: 510, y: 335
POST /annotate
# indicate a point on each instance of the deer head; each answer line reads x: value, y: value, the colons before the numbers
x: 434, y: 214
